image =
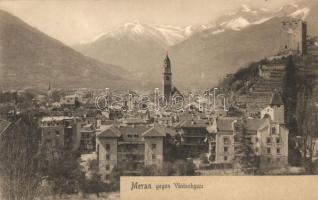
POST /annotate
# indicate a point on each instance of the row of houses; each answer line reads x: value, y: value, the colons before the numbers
x: 133, y: 145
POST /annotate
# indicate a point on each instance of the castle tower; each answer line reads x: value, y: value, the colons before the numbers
x: 294, y: 34
x: 167, y: 79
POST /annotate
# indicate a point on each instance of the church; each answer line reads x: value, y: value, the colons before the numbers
x: 169, y: 90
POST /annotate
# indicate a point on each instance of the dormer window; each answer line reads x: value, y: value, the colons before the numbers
x: 236, y: 127
x: 273, y: 130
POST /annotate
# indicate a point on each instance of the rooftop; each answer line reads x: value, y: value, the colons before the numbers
x: 56, y: 118
x: 276, y: 100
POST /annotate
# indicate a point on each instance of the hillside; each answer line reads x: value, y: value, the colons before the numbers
x: 207, y: 57
x: 29, y: 58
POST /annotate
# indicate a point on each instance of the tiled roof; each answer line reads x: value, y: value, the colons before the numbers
x: 276, y: 99
x: 254, y: 124
x: 56, y: 118
x: 108, y: 132
x: 225, y: 124
x: 155, y: 132
x: 194, y: 124
x: 133, y: 121
x: 133, y: 134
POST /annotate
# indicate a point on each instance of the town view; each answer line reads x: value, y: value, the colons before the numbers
x: 236, y: 97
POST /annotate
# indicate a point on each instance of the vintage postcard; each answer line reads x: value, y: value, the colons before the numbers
x: 158, y: 99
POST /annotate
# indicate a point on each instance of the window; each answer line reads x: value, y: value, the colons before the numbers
x: 256, y: 140
x: 278, y: 151
x: 268, y: 159
x: 225, y: 158
x: 268, y: 140
x: 225, y: 149
x: 107, y: 176
x: 256, y: 150
x: 153, y: 156
x: 273, y: 130
x: 268, y: 150
x: 278, y: 159
x: 278, y: 140
x: 167, y: 78
x: 107, y: 167
x: 107, y: 157
x: 237, y: 127
x: 57, y: 133
x: 153, y: 146
x: 236, y: 138
x: 226, y: 140
x: 107, y: 147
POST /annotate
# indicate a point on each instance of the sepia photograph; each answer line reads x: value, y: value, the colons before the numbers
x: 135, y: 99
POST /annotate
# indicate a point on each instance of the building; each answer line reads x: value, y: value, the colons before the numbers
x: 274, y: 135
x: 169, y: 90
x: 192, y: 137
x: 129, y: 147
x: 88, y: 138
x: 268, y: 135
x: 219, y: 138
x: 294, y: 35
x: 60, y: 132
x: 70, y: 100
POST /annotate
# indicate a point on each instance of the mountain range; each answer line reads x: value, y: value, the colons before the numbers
x: 30, y: 58
x: 132, y: 54
x: 200, y: 54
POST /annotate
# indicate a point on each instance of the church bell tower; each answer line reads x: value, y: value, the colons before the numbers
x: 167, y: 79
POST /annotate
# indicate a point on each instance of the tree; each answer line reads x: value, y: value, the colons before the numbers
x: 184, y: 168
x: 19, y: 161
x: 245, y: 155
x: 62, y: 170
x: 151, y: 170
x: 289, y: 95
x: 93, y: 183
x: 306, y: 121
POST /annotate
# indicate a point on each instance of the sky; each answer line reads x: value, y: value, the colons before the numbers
x: 72, y: 21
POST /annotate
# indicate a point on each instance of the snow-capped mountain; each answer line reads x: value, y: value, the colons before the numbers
x: 165, y: 35
x: 247, y: 16
x: 225, y: 44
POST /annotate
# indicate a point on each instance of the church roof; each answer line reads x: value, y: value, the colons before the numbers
x: 175, y: 91
x: 276, y: 100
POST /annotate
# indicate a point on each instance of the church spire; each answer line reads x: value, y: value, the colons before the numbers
x: 167, y: 79
x: 167, y: 61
